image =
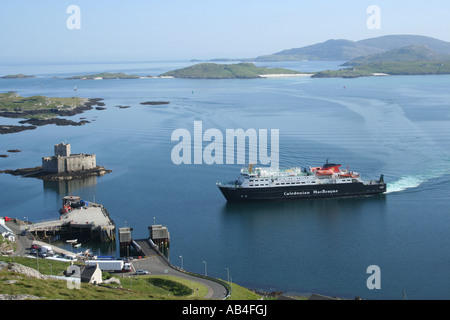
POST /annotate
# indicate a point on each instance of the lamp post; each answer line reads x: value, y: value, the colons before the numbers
x: 181, y: 257
x: 228, y: 274
x: 206, y: 273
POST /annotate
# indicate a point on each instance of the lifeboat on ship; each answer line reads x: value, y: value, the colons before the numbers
x: 328, y: 169
x: 349, y: 175
x: 323, y: 173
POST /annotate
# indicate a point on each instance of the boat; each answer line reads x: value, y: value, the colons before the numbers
x: 329, y: 180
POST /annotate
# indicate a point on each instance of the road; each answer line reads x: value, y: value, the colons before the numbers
x: 154, y: 263
x: 157, y: 265
x: 23, y: 242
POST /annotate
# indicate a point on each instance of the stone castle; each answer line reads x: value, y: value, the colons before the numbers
x: 63, y: 161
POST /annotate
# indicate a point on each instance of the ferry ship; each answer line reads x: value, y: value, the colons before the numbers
x: 326, y: 181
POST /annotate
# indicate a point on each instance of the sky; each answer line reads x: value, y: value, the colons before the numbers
x: 146, y: 30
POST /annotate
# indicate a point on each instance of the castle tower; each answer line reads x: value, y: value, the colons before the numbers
x: 62, y: 149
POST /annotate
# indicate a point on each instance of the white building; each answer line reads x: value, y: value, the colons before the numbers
x: 6, y: 232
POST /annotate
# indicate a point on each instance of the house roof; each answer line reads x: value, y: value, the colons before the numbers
x: 86, y: 273
x: 4, y: 228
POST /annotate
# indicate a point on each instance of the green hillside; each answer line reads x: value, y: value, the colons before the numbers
x: 105, y: 75
x: 17, y: 76
x: 12, y: 104
x: 225, y: 71
x: 404, y: 54
x: 131, y: 288
x: 390, y: 68
x: 343, y: 49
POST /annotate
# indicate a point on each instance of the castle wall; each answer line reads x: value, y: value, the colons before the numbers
x: 80, y: 162
x: 50, y: 164
x: 75, y: 162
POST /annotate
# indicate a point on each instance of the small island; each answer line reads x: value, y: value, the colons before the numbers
x: 63, y: 165
x: 154, y: 103
x: 40, y: 110
x: 388, y: 68
x: 105, y: 76
x: 18, y: 76
x: 228, y: 71
x: 409, y: 60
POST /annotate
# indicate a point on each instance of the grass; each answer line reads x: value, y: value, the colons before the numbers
x: 226, y: 71
x: 241, y: 293
x: 147, y: 287
x: 36, y: 106
x: 17, y: 76
x: 391, y: 68
x: 106, y: 75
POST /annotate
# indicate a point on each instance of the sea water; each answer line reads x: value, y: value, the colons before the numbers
x: 398, y: 126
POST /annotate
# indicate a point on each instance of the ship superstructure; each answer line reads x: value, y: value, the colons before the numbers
x: 329, y: 180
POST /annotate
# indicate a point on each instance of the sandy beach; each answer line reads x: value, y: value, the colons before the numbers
x: 285, y: 75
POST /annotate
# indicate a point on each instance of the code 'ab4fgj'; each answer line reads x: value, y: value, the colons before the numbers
x: 232, y: 309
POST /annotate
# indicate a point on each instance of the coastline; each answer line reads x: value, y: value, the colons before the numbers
x: 286, y: 75
x: 35, y: 116
x: 37, y: 172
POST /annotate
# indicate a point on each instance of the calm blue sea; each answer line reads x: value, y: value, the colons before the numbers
x: 397, y: 126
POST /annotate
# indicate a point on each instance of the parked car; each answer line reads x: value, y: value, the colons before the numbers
x: 141, y: 272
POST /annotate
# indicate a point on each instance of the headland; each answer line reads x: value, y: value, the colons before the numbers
x: 41, y: 110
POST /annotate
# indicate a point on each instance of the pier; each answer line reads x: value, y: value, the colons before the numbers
x: 86, y: 221
x: 159, y: 239
x: 152, y: 258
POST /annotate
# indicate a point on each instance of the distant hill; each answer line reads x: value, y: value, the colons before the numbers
x: 225, y: 71
x: 404, y: 54
x: 328, y: 50
x: 347, y: 50
x: 398, y: 41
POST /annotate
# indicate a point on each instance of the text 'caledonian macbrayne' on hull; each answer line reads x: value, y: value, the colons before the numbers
x: 299, y: 183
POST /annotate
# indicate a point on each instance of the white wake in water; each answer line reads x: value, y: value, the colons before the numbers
x: 411, y: 182
x: 404, y: 183
x: 411, y: 155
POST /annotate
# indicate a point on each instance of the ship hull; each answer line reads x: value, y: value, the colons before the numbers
x: 240, y: 194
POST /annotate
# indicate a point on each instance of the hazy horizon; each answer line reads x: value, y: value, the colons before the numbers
x: 150, y: 30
